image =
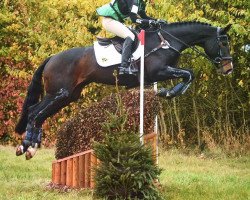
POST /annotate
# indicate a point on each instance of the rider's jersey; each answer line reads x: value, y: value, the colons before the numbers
x: 122, y: 9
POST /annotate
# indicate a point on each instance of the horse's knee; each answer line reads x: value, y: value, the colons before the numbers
x: 189, y: 76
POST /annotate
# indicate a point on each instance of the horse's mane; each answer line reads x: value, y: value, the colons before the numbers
x: 177, y: 24
x: 189, y: 23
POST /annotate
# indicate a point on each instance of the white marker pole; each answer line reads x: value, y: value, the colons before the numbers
x: 142, y: 39
x: 156, y: 130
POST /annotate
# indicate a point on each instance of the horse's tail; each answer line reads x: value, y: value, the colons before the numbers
x: 35, y: 91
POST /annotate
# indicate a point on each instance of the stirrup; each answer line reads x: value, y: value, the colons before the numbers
x: 127, y: 70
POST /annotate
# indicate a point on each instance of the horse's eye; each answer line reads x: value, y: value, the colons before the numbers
x: 224, y: 43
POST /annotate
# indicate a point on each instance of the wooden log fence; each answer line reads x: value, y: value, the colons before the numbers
x: 76, y: 171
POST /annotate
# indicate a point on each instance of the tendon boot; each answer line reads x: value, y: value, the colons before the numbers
x: 126, y: 54
x: 36, y: 141
x: 37, y: 137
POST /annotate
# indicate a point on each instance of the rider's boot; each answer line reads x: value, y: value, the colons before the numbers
x: 126, y: 54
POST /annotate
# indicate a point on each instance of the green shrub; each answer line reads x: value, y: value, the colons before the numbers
x: 127, y: 169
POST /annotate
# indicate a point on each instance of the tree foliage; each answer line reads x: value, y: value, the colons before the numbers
x: 32, y: 30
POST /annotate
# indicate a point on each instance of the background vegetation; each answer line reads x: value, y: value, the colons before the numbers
x: 214, y: 111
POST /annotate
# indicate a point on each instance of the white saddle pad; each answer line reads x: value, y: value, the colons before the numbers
x: 108, y: 55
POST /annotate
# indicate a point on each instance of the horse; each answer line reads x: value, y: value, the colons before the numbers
x: 64, y: 75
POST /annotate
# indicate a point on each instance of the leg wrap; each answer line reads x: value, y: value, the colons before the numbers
x: 37, y: 136
x: 33, y: 136
x: 28, y: 137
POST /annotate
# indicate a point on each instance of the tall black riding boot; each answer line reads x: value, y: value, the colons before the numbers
x: 126, y: 54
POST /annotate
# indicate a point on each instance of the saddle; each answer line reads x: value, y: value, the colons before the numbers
x: 108, y: 50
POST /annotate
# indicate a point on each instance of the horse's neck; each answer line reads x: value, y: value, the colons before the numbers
x: 193, y: 34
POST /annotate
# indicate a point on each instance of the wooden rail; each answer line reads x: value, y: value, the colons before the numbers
x: 77, y: 171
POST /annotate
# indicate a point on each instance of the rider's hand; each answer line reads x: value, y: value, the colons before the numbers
x: 153, y: 23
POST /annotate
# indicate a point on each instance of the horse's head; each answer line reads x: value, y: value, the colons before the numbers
x: 217, y: 48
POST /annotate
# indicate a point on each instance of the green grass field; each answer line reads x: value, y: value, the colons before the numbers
x: 183, y: 177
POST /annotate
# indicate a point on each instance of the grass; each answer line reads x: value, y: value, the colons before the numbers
x: 194, y: 177
x: 183, y: 177
x: 27, y: 180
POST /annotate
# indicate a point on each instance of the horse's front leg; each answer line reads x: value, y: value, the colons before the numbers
x: 168, y: 72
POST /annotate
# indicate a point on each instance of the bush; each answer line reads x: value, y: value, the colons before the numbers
x: 78, y: 133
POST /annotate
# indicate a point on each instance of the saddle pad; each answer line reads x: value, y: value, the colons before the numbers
x: 107, y: 55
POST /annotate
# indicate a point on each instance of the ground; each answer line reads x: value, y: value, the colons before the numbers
x: 186, y: 177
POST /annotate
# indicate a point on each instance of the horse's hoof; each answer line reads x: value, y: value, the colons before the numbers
x: 30, y: 153
x: 164, y: 93
x: 19, y: 150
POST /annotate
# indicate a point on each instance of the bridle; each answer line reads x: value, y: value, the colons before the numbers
x: 222, y: 42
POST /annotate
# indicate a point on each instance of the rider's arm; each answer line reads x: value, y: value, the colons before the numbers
x: 142, y: 12
x: 139, y: 17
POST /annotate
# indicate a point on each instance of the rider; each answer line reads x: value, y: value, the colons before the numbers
x: 114, y: 14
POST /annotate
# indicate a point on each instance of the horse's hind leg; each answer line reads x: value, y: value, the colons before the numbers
x: 30, y: 128
x: 50, y: 105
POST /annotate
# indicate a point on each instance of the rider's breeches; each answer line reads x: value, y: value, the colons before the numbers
x: 117, y: 28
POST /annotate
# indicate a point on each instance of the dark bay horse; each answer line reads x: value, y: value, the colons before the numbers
x: 65, y: 74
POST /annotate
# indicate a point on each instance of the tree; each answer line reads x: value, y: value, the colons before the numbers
x: 127, y: 169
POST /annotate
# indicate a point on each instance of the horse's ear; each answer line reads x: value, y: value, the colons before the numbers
x: 226, y: 29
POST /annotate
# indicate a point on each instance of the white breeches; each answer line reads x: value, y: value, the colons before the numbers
x: 117, y: 28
